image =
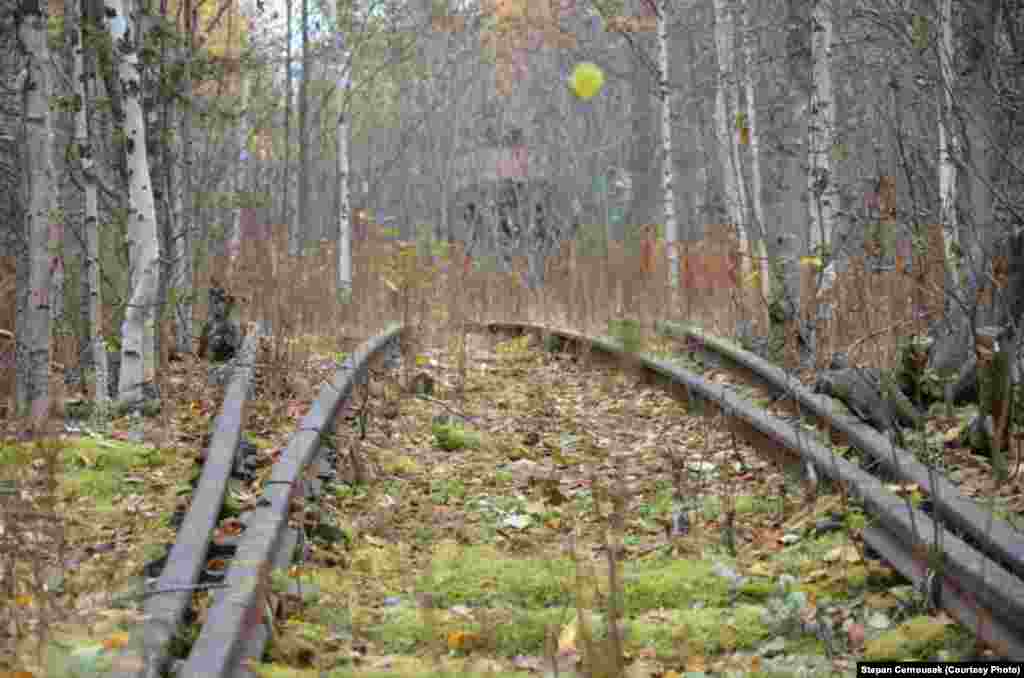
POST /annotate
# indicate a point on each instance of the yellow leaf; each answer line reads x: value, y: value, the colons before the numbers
x: 567, y: 639
x: 753, y: 280
x: 727, y: 637
x: 391, y: 285
x: 421, y: 360
x: 812, y: 261
x: 116, y: 641
x: 24, y: 600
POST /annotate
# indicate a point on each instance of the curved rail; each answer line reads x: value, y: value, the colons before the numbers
x: 995, y: 537
x: 167, y: 601
x: 236, y: 625
x: 978, y: 592
x: 974, y: 589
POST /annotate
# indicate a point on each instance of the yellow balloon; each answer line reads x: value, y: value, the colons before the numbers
x: 586, y: 80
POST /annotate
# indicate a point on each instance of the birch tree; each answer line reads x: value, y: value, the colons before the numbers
x: 668, y: 170
x: 949, y: 147
x: 138, y: 359
x: 822, y: 190
x: 302, y: 226
x: 756, y: 202
x: 33, y: 320
x: 234, y: 236
x: 286, y: 214
x: 83, y: 88
x: 183, y: 198
x: 726, y: 109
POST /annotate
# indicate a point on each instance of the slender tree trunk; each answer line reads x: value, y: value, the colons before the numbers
x: 304, y: 156
x: 755, y: 160
x: 293, y: 230
x: 234, y: 239
x: 138, y: 366
x: 700, y: 201
x: 344, y: 213
x: 821, y: 185
x: 33, y: 330
x: 181, y: 281
x: 982, y: 127
x: 949, y: 148
x: 92, y: 255
x: 667, y: 167
x: 645, y: 121
x: 725, y: 114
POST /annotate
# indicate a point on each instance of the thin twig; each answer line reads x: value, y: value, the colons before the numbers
x: 898, y: 325
x: 448, y: 407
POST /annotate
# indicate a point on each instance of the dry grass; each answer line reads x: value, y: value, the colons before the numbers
x: 397, y: 281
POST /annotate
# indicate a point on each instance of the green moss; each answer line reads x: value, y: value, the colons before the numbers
x: 92, y: 467
x: 917, y: 638
x: 454, y: 437
x: 482, y: 575
x: 659, y: 583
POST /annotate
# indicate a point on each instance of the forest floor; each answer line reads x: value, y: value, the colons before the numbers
x: 476, y: 535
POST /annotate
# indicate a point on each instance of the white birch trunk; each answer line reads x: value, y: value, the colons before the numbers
x: 949, y: 147
x: 823, y: 197
x: 138, y: 333
x: 755, y: 158
x: 725, y: 112
x: 668, y: 170
x: 33, y: 330
x: 234, y: 239
x: 181, y: 266
x: 344, y: 213
x: 92, y: 235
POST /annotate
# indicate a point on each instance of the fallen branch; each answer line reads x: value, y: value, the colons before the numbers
x: 448, y: 407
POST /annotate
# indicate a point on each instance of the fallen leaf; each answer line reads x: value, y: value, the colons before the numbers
x: 856, y: 636
x: 567, y: 639
x: 463, y: 640
x: 695, y: 663
x: 115, y: 641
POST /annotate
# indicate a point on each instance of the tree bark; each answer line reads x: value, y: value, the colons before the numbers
x: 821, y: 185
x: 181, y: 281
x: 949, y: 150
x: 34, y: 349
x: 756, y: 200
x: 668, y: 168
x: 726, y: 113
x: 303, y: 222
x: 92, y: 256
x: 138, y: 359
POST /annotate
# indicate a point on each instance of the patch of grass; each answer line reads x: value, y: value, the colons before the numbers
x: 482, y: 575
x: 453, y: 437
x: 410, y: 629
x: 662, y: 583
x: 706, y: 631
x: 448, y: 490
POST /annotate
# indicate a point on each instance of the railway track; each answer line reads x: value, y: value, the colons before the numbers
x: 978, y: 583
